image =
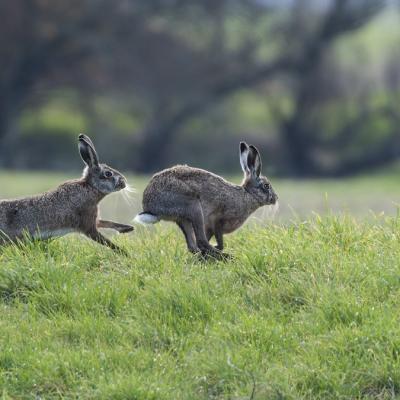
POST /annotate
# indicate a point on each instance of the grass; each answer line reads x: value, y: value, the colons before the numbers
x: 305, y: 310
x: 309, y: 311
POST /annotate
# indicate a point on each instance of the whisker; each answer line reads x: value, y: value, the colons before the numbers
x: 269, y: 212
x: 130, y: 189
x: 127, y: 197
x: 275, y: 209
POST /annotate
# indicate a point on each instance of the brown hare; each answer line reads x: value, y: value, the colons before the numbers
x: 72, y: 207
x: 204, y: 204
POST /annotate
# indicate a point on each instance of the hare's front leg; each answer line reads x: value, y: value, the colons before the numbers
x: 217, y: 232
x: 219, y: 238
x: 95, y: 235
x: 121, y: 228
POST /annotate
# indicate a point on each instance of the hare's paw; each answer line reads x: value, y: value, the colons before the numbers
x: 226, y: 256
x: 121, y: 251
x: 126, y: 229
x: 214, y: 254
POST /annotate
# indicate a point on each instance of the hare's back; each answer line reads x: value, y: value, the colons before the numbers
x: 183, y: 178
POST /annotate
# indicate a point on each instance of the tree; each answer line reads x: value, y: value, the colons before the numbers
x: 342, y: 17
x: 181, y: 58
x: 309, y: 35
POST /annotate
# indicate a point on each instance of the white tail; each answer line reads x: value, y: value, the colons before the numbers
x: 146, y: 218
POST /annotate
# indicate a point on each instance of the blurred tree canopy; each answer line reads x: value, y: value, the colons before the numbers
x: 165, y: 81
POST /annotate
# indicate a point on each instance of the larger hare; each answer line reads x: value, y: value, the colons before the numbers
x: 72, y: 207
x: 204, y: 204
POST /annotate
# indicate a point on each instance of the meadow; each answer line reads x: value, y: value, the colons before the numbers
x: 306, y: 309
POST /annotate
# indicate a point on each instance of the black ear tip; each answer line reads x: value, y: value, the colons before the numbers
x: 82, y: 137
x: 243, y: 146
x: 254, y: 148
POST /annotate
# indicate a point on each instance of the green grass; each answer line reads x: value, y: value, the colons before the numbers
x: 305, y: 310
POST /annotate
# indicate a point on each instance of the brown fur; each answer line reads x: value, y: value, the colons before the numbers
x: 72, y: 207
x: 204, y: 204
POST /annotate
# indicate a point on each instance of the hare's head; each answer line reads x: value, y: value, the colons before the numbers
x: 102, y: 177
x: 255, y: 183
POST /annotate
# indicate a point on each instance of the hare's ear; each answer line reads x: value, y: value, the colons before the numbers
x: 87, y: 151
x: 243, y: 154
x: 254, y: 161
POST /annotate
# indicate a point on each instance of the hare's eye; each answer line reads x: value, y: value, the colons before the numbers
x: 108, y: 174
x: 266, y: 186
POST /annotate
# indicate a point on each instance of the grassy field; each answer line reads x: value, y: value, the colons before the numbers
x: 307, y: 309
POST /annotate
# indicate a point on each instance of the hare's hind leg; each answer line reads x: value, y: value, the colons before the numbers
x: 184, y: 207
x: 121, y: 228
x: 187, y: 229
x: 195, y: 215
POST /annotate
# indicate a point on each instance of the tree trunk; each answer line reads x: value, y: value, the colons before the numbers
x: 298, y: 146
x: 4, y: 124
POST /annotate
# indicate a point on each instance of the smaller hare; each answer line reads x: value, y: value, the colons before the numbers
x: 72, y: 207
x: 204, y: 204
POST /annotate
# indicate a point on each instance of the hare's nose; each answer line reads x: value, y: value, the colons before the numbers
x: 122, y: 183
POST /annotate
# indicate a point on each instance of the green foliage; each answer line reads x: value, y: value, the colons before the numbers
x: 373, y: 42
x: 59, y: 117
x: 304, y: 311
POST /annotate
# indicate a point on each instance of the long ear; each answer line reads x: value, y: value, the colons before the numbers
x: 254, y: 161
x: 243, y: 154
x: 87, y: 151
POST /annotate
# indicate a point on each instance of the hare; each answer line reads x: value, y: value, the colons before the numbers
x: 204, y: 204
x: 72, y: 207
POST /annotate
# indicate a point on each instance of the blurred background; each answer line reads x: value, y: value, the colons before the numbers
x: 314, y: 84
